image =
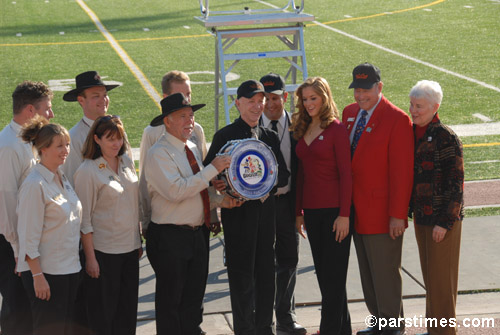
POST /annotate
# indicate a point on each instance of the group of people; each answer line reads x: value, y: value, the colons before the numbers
x: 357, y: 178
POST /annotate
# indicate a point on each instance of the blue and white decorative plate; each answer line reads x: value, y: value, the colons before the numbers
x: 253, y: 171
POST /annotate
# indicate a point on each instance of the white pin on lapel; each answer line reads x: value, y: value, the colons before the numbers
x: 429, y: 139
x: 321, y: 138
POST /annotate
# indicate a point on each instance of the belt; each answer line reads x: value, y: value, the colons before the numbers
x: 179, y: 226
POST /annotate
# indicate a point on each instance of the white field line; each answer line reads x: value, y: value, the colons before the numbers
x: 416, y: 60
x: 484, y: 162
x: 136, y: 71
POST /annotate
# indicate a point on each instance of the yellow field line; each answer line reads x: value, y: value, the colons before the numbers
x: 481, y: 145
x: 386, y: 13
x: 206, y: 35
x: 136, y: 71
x: 96, y: 42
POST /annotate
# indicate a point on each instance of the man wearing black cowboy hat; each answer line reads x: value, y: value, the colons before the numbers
x: 249, y: 230
x: 180, y: 205
x: 92, y: 94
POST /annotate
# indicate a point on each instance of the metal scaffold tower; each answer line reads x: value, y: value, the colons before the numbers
x: 284, y: 23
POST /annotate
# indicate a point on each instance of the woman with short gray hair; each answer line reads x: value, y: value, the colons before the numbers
x: 437, y: 202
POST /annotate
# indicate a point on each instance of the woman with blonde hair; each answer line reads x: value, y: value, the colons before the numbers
x: 108, y: 187
x: 324, y: 186
x: 49, y: 217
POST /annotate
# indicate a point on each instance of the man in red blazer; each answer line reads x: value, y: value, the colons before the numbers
x: 382, y: 167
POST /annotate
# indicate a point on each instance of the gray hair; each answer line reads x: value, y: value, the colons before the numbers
x: 429, y: 90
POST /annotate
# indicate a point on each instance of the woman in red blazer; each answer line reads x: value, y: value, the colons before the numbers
x: 324, y: 185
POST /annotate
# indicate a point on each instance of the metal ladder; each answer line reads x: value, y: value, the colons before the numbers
x: 290, y: 35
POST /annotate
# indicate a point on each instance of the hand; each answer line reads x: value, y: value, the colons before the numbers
x: 219, y: 184
x: 438, y: 233
x: 221, y: 162
x: 92, y: 267
x: 341, y: 227
x: 140, y: 251
x: 230, y: 202
x: 299, y: 224
x: 42, y: 288
x: 396, y: 227
x: 215, y: 228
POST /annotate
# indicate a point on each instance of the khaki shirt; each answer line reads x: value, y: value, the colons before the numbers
x: 49, y: 223
x: 173, y: 189
x: 110, y: 204
x: 78, y: 136
x: 16, y: 160
x: 149, y: 137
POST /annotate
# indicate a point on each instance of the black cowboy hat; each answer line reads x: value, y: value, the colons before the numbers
x: 86, y: 80
x: 173, y: 103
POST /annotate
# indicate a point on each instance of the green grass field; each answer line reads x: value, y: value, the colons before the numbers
x: 56, y: 39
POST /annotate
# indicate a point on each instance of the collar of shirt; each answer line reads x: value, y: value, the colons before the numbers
x: 178, y: 144
x: 87, y: 121
x: 45, y: 173
x: 246, y: 128
x: 370, y: 111
x: 16, y: 127
x: 282, y: 120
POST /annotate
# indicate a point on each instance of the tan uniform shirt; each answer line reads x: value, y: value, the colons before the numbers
x: 110, y: 204
x: 78, y: 136
x: 49, y: 222
x: 149, y: 137
x: 16, y: 160
x: 173, y: 189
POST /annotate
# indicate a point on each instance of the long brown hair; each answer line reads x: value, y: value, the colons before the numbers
x: 40, y: 133
x: 328, y: 112
x: 108, y: 126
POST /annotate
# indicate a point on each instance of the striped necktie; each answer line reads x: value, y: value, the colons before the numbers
x: 360, y: 126
x: 204, y: 193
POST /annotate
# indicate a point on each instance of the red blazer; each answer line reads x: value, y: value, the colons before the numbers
x: 382, y: 167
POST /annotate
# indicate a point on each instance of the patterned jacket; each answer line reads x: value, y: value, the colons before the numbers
x: 438, y: 185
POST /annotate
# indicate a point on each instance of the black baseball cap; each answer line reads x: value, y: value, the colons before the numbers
x: 364, y: 76
x: 249, y: 88
x: 273, y: 83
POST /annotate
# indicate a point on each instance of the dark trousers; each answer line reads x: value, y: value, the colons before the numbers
x: 112, y: 298
x: 80, y: 326
x: 15, y: 316
x: 250, y: 266
x: 331, y: 260
x: 179, y: 259
x: 287, y: 257
x: 55, y: 315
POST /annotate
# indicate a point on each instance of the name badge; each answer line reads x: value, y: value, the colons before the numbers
x: 350, y: 119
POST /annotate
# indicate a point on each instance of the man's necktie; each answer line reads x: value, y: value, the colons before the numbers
x: 358, y: 131
x: 274, y: 125
x: 254, y: 133
x: 204, y: 193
